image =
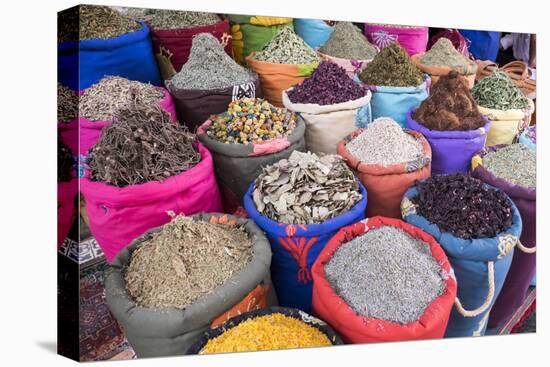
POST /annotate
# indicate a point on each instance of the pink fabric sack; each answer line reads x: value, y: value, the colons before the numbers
x: 117, y: 215
x: 413, y: 40
x: 66, y: 193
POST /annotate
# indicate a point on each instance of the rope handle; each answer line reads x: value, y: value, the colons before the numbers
x: 527, y: 250
x: 478, y: 311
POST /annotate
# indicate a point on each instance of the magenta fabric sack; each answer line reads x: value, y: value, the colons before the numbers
x: 452, y: 151
x: 66, y: 193
x: 413, y: 40
x: 523, y: 266
x: 117, y: 215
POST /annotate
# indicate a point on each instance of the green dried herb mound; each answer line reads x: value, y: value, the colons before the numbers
x: 347, y: 42
x: 173, y: 19
x: 392, y: 67
x: 103, y: 22
x: 499, y: 92
x: 287, y: 48
x: 515, y: 163
x: 443, y: 53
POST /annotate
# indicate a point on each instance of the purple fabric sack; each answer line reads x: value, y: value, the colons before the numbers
x: 523, y: 266
x: 452, y: 151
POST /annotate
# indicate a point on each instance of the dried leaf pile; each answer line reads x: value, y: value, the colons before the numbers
x: 67, y: 103
x: 186, y: 260
x: 498, y: 92
x: 287, y: 48
x: 306, y: 189
x: 443, y: 53
x: 515, y: 163
x: 142, y: 145
x: 348, y: 42
x: 101, y: 101
x: 384, y: 142
x: 450, y: 106
x: 103, y: 22
x: 269, y: 332
x: 173, y: 19
x: 65, y: 162
x: 463, y: 206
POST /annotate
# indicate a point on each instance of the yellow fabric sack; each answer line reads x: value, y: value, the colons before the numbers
x: 505, y: 125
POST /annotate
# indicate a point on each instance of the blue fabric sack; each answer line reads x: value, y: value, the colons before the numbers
x: 523, y: 139
x: 295, y: 248
x: 483, y: 45
x: 129, y: 55
x: 473, y: 261
x: 314, y: 32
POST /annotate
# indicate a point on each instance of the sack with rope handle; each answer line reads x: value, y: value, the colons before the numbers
x: 480, y: 267
x: 523, y: 266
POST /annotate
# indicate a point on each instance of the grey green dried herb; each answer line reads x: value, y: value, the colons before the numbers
x: 142, y: 145
x: 186, y: 260
x: 385, y: 143
x: 102, y: 100
x: 287, y: 48
x: 67, y: 104
x: 348, y: 42
x: 392, y: 67
x: 306, y: 189
x: 386, y: 274
x: 498, y: 92
x: 210, y: 67
x: 174, y: 19
x: 515, y: 163
x: 443, y: 53
x: 103, y: 22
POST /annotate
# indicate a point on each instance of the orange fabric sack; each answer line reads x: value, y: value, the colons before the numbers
x: 386, y: 185
x: 276, y: 78
x: 436, y: 71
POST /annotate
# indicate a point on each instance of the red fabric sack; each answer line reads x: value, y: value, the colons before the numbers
x: 355, y: 328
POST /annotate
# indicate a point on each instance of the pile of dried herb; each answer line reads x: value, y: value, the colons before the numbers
x: 65, y: 162
x: 328, y: 84
x: 386, y: 274
x: 173, y: 19
x: 269, y: 332
x: 348, y: 42
x: 210, y: 67
x: 251, y: 120
x: 306, y: 189
x: 141, y: 145
x: 67, y: 25
x: 184, y: 261
x: 514, y: 163
x: 287, y: 48
x: 396, y: 25
x: 385, y: 143
x: 498, y: 92
x: 463, y: 206
x: 444, y: 53
x: 392, y: 67
x: 101, y: 101
x: 449, y: 106
x: 67, y: 103
x: 104, y: 22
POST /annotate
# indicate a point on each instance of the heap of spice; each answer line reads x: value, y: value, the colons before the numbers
x: 498, y: 92
x: 392, y: 67
x: 67, y: 25
x: 444, y: 53
x: 184, y: 261
x: 287, y: 48
x: 514, y: 163
x: 348, y: 42
x: 463, y: 206
x: 251, y: 120
x: 173, y: 19
x: 210, y: 67
x: 328, y: 84
x: 450, y: 106
x: 101, y: 101
x: 103, y: 22
x: 142, y: 145
x: 394, y: 276
x: 67, y: 103
x: 385, y: 143
x: 306, y: 189
x: 269, y: 332
x: 65, y: 162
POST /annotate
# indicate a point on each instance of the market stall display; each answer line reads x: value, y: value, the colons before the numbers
x: 300, y: 202
x: 451, y: 122
x: 230, y: 259
x: 329, y: 101
x: 478, y: 227
x: 209, y: 81
x: 388, y: 160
